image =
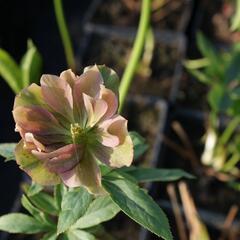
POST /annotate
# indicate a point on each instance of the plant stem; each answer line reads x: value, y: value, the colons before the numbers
x: 136, y: 52
x: 58, y: 8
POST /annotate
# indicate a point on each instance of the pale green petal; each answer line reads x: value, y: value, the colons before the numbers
x: 34, y: 167
x: 30, y: 96
x: 122, y: 155
x: 86, y: 173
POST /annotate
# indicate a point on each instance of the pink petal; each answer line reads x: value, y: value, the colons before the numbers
x: 122, y: 155
x: 29, y: 96
x: 119, y: 155
x: 31, y: 142
x: 116, y: 126
x: 69, y: 77
x: 62, y: 159
x: 86, y: 173
x: 111, y: 99
x: 88, y: 83
x: 58, y: 95
x: 35, y: 168
x: 37, y: 121
x: 95, y: 108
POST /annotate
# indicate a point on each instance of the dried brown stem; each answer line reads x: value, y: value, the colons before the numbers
x: 177, y: 212
x: 228, y: 222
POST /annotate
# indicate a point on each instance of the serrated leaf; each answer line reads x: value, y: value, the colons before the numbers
x: 139, y: 144
x: 155, y: 174
x: 76, y: 234
x: 74, y: 205
x: 44, y: 202
x: 100, y: 210
x: 59, y: 191
x: 35, y: 212
x: 21, y: 223
x: 137, y: 204
x: 7, y: 151
x: 31, y: 65
x: 10, y: 71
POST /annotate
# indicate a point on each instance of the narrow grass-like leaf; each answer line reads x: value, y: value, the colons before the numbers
x: 31, y: 65
x: 10, y: 71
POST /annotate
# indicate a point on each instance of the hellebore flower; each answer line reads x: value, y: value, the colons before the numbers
x: 68, y: 125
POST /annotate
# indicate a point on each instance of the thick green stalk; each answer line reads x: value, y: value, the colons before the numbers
x: 136, y: 52
x: 58, y: 8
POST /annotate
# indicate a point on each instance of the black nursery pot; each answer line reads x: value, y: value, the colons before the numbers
x: 172, y: 15
x: 213, y: 198
x: 112, y: 47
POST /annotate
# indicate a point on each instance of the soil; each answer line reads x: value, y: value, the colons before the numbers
x: 172, y: 15
x: 114, y: 52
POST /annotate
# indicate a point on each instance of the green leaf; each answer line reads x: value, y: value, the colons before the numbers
x: 235, y: 21
x: 74, y: 204
x: 200, y: 76
x: 219, y: 99
x: 36, y: 213
x: 50, y: 236
x: 155, y: 174
x: 10, y: 71
x: 21, y: 223
x: 79, y: 235
x: 110, y: 77
x: 31, y: 65
x: 100, y: 210
x: 232, y: 71
x: 7, y: 151
x: 44, y: 202
x: 208, y: 51
x: 34, y: 189
x: 137, y: 204
x: 139, y: 144
x: 59, y: 191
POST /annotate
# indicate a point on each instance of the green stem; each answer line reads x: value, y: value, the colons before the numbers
x: 136, y: 52
x: 226, y: 135
x: 58, y: 8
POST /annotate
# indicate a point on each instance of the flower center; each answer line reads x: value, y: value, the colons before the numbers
x: 86, y: 136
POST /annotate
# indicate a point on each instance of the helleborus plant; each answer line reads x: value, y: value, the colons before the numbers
x: 219, y: 70
x: 74, y: 140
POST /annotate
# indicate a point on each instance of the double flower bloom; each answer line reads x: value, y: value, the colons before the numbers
x: 69, y: 125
